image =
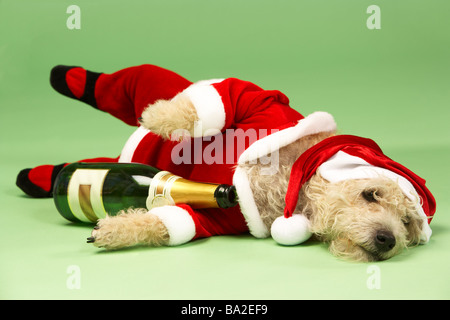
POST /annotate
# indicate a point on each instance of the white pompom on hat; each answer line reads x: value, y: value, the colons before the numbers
x: 290, y: 231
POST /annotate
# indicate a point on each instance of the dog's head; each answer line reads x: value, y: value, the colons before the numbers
x: 367, y: 206
x: 363, y: 219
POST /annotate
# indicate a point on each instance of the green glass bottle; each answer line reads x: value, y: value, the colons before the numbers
x: 87, y: 192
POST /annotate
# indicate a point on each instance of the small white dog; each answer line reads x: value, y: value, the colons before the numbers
x: 293, y: 175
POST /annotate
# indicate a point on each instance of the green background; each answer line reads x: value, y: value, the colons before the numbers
x: 391, y: 85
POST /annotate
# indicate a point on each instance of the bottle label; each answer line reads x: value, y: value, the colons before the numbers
x: 159, y: 190
x: 84, y: 194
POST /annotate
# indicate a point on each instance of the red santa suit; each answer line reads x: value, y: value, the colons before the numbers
x: 239, y: 122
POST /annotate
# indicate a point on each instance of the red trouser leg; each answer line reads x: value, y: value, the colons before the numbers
x: 126, y: 93
x: 38, y: 182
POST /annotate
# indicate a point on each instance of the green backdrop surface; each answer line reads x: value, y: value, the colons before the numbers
x: 390, y: 84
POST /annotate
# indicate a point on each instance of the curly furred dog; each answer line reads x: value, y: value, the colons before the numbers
x: 293, y: 175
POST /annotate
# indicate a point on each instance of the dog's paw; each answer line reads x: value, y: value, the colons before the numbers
x: 171, y: 119
x: 130, y: 228
x: 106, y: 235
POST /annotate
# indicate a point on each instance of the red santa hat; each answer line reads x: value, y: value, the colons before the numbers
x: 345, y: 157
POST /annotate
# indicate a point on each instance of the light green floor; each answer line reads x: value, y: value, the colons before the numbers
x: 392, y: 85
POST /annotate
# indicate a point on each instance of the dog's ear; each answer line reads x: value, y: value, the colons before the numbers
x: 413, y: 224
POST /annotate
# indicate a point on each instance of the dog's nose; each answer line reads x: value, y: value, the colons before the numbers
x: 384, y: 240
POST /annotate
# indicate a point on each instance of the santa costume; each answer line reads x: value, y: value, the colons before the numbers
x: 241, y: 120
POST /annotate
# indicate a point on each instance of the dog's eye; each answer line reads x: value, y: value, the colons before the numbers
x: 369, y: 195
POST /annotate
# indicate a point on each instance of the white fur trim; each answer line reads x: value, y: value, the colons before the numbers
x: 133, y: 141
x: 426, y: 232
x: 178, y: 222
x: 291, y: 231
x: 343, y: 166
x: 248, y: 206
x: 209, y: 106
x: 314, y: 123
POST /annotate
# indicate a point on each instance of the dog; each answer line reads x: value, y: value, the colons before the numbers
x: 362, y: 219
x: 369, y: 213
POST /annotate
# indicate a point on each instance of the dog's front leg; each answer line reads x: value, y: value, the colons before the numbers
x: 130, y: 228
x: 173, y: 119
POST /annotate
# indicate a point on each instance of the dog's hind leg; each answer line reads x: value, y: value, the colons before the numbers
x: 124, y: 94
x: 38, y: 182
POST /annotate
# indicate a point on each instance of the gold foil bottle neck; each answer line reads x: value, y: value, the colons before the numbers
x: 169, y: 189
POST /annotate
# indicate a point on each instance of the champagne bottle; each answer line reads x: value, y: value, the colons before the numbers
x: 90, y: 191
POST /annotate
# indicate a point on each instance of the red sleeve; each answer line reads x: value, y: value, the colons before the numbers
x: 246, y: 104
x: 233, y: 103
x: 211, y: 222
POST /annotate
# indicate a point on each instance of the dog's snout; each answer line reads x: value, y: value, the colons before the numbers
x: 384, y: 240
